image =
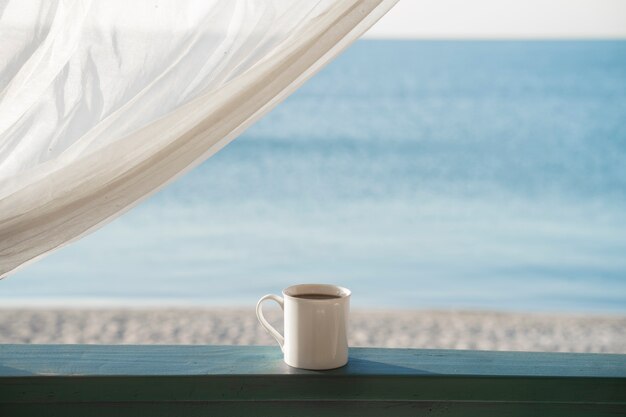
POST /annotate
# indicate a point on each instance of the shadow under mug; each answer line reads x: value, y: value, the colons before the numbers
x: 316, y: 323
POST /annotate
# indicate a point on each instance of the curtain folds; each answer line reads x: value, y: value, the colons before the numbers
x: 104, y: 103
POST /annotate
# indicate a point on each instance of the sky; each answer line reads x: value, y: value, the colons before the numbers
x: 489, y: 19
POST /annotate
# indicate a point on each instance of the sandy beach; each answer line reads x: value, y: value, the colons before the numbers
x: 402, y: 329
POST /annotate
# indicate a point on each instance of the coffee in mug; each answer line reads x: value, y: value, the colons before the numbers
x: 316, y: 322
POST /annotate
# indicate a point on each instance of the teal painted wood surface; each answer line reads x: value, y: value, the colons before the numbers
x: 99, y: 380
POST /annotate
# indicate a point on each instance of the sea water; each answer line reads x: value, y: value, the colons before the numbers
x: 488, y: 175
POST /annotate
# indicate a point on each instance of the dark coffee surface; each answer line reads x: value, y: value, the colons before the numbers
x: 316, y: 296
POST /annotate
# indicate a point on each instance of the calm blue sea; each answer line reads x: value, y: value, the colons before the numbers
x: 488, y: 175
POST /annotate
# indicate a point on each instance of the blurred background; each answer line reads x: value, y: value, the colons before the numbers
x: 463, y: 156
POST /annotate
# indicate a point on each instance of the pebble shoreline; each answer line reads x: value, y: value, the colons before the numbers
x: 397, y: 329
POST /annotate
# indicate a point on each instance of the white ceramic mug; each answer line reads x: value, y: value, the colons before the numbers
x: 316, y: 334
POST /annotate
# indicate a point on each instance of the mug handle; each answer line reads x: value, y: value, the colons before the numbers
x: 259, y: 313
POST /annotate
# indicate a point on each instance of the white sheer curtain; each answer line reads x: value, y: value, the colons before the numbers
x: 102, y: 103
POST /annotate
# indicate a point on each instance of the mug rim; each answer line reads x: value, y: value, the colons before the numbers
x: 343, y: 292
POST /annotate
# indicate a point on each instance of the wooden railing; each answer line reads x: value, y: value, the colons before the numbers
x: 96, y: 380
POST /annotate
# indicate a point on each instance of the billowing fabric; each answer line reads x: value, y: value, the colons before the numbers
x: 103, y: 103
